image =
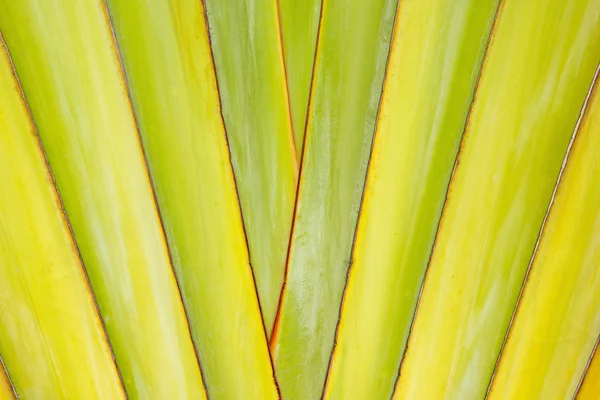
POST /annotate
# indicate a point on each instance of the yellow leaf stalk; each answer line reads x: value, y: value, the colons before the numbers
x: 299, y: 27
x: 538, y: 68
x: 557, y: 320
x: 590, y: 384
x: 65, y: 56
x: 436, y: 55
x: 52, y: 340
x: 176, y: 103
x: 246, y: 44
x: 6, y: 389
x: 353, y: 47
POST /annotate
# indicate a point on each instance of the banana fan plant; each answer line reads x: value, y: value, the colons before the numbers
x: 263, y: 199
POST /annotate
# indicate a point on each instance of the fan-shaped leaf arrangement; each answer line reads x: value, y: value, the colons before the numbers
x: 263, y: 199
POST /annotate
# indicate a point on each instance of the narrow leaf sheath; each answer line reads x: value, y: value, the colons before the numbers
x: 6, y: 390
x: 51, y: 337
x: 299, y: 27
x: 246, y: 45
x: 65, y: 57
x: 539, y: 66
x: 352, y: 53
x: 436, y: 55
x: 167, y: 60
x: 590, y: 386
x: 557, y: 321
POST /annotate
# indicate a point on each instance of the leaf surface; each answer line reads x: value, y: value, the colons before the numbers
x: 246, y: 44
x: 6, y: 390
x: 65, y: 57
x: 557, y: 320
x: 590, y: 386
x: 436, y: 54
x: 539, y: 66
x: 177, y: 107
x: 350, y: 64
x: 299, y: 27
x: 52, y: 340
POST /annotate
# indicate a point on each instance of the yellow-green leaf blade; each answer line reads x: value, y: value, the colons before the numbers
x: 557, y: 320
x: 65, y: 57
x: 590, y: 386
x: 535, y: 78
x: 246, y: 45
x: 51, y: 337
x: 350, y: 64
x: 299, y: 27
x: 435, y: 57
x: 177, y: 108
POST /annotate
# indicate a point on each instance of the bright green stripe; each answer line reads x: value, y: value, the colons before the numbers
x: 170, y: 72
x: 66, y: 60
x: 353, y: 49
x: 247, y: 51
x: 299, y: 26
x: 535, y: 78
x: 436, y: 55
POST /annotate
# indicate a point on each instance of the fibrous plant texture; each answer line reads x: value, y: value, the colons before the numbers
x: 300, y: 199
